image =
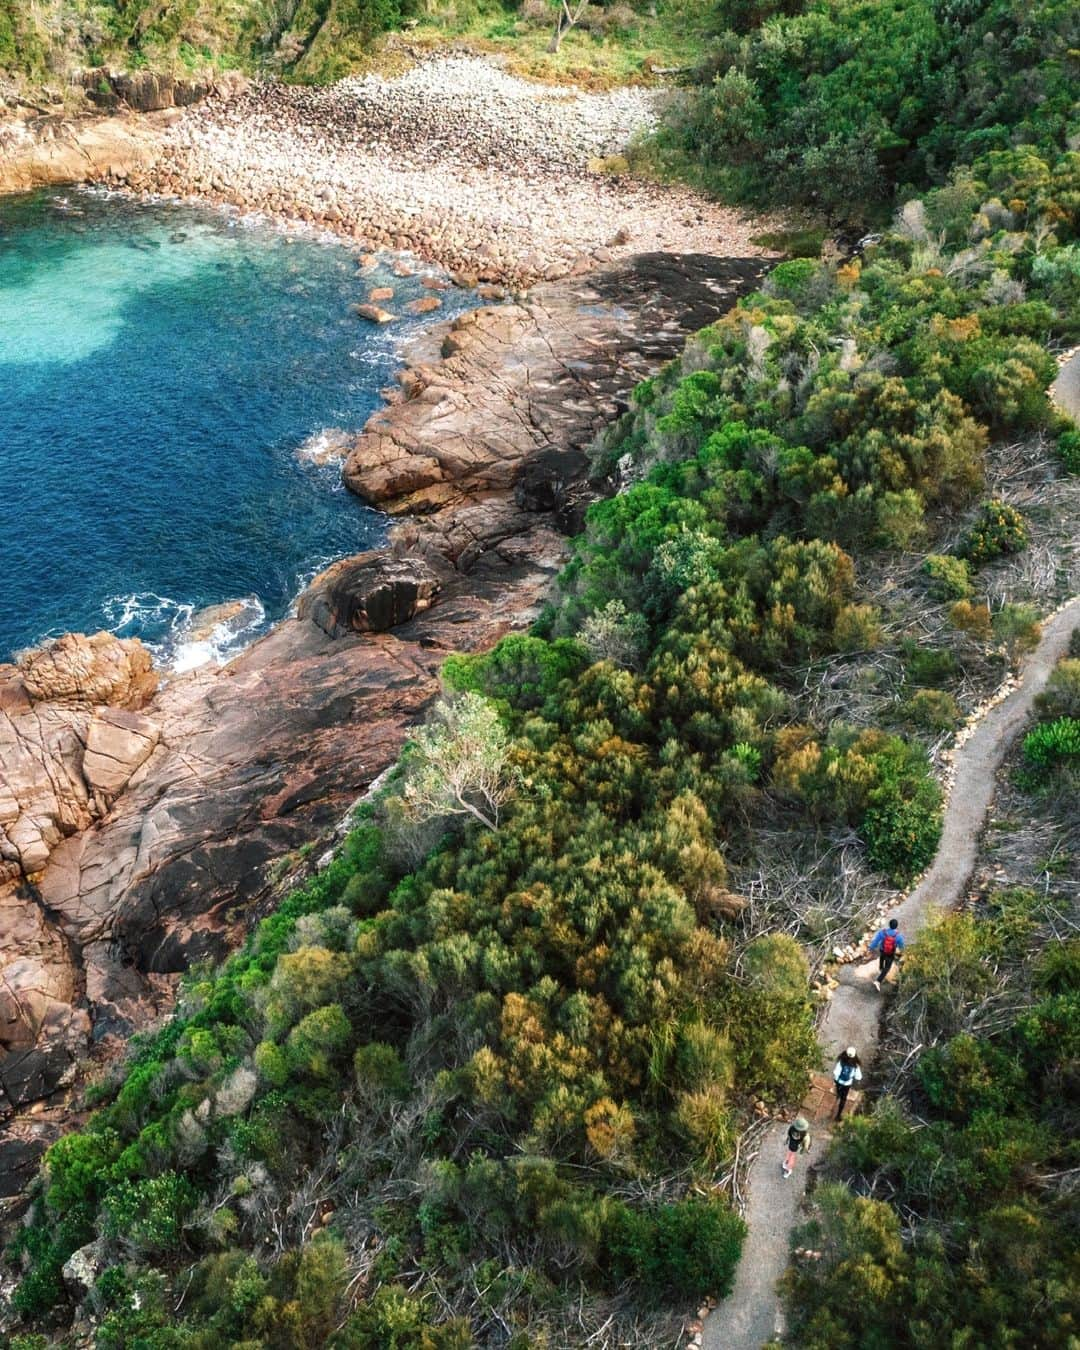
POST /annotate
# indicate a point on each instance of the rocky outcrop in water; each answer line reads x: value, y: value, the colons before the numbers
x: 247, y: 763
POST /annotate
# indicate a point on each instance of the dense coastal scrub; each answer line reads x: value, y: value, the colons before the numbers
x: 318, y: 38
x: 948, y: 1213
x: 318, y: 41
x: 834, y: 106
x: 502, y: 1077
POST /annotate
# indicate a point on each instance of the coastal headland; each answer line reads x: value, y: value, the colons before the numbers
x: 143, y: 820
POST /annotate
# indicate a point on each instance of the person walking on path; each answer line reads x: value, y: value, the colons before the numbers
x: 798, y: 1141
x: 888, y: 943
x: 848, y: 1070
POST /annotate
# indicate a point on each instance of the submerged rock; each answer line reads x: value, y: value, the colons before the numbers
x: 204, y: 621
x: 373, y: 313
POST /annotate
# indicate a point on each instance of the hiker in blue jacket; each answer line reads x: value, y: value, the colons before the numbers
x: 888, y: 943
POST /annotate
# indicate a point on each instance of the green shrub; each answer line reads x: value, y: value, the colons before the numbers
x: 997, y: 530
x: 1018, y: 628
x: 394, y: 1319
x: 929, y: 666
x: 379, y: 1067
x: 150, y: 1215
x: 842, y: 1300
x: 318, y: 1041
x: 272, y: 1063
x: 77, y: 1165
x: 966, y: 1075
x: 676, y: 1251
x: 1061, y: 696
x: 770, y: 1019
x: 950, y: 578
x: 803, y: 281
x: 45, y: 1245
x: 1050, y: 744
x: 857, y: 628
x: 1068, y: 446
x: 932, y: 709
x: 521, y: 670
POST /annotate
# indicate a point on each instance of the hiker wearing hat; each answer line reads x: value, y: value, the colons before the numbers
x: 888, y: 943
x: 848, y: 1070
x: 798, y: 1141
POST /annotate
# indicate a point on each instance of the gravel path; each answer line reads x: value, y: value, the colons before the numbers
x: 1065, y: 391
x: 468, y: 166
x: 753, y: 1315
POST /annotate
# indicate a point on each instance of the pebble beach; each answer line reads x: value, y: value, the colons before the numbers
x: 493, y: 177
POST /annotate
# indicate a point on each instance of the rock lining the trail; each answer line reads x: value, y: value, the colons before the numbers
x: 490, y: 176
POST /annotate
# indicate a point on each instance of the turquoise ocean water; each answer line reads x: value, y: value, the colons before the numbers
x: 168, y: 379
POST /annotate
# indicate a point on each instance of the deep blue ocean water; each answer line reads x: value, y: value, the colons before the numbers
x: 164, y: 374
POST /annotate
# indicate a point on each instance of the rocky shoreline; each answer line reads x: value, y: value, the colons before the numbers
x: 43, y: 146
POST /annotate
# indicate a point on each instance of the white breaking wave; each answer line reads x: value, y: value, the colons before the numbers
x: 189, y: 637
x: 328, y: 446
x: 218, y: 640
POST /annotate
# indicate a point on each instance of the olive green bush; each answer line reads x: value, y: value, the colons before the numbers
x: 950, y: 578
x: 997, y: 530
x: 1068, y: 446
x: 1061, y: 695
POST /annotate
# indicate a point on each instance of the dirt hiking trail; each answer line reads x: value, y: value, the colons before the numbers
x: 752, y: 1315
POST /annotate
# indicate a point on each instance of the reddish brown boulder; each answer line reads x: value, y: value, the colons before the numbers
x: 50, y: 786
x: 81, y: 671
x: 370, y: 593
